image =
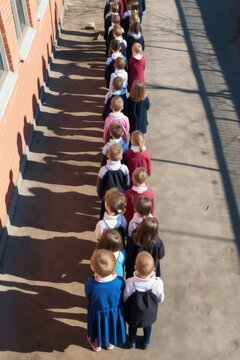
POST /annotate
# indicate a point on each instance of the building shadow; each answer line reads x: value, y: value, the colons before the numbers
x: 49, y: 246
x: 213, y: 20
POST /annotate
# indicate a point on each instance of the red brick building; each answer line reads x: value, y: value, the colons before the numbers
x: 27, y: 31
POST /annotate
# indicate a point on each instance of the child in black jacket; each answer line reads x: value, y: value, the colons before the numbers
x: 114, y: 174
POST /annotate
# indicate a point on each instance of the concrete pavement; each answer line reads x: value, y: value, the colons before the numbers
x: 192, y: 81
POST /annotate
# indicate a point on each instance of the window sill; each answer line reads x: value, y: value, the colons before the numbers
x: 26, y: 43
x: 41, y: 9
x: 6, y: 90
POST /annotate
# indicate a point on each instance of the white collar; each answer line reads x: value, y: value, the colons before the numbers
x: 115, y: 141
x: 138, y: 56
x: 105, y: 279
x: 135, y: 274
x: 139, y: 190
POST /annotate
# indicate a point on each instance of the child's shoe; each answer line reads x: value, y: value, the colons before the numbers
x: 110, y: 346
x: 131, y: 344
x: 94, y: 344
x: 145, y: 346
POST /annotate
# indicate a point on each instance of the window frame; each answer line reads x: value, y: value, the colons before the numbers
x: 4, y: 60
x: 19, y: 31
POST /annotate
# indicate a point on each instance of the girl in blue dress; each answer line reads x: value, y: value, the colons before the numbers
x: 112, y: 240
x: 106, y: 324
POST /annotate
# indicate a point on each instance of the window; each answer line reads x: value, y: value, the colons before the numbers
x: 20, y: 16
x: 24, y: 32
x: 7, y: 79
x: 3, y: 61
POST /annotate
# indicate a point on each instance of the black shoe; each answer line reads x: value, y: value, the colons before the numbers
x: 131, y: 344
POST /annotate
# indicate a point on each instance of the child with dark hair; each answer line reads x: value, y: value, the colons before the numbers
x: 116, y: 116
x: 114, y: 174
x: 117, y: 33
x: 142, y: 210
x: 134, y: 36
x: 113, y: 10
x: 116, y: 90
x: 145, y: 238
x: 116, y: 52
x: 115, y: 205
x: 120, y: 4
x: 111, y: 240
x: 116, y: 133
x: 142, y: 294
x: 138, y: 156
x: 139, y: 104
x: 136, y: 65
x: 120, y: 71
x: 106, y: 325
x: 140, y: 179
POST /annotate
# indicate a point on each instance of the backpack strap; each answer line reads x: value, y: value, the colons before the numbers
x: 106, y: 224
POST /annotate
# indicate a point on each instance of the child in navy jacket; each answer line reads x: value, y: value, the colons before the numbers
x: 138, y: 105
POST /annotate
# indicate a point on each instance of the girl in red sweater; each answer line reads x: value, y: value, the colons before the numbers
x: 138, y: 156
x: 136, y: 65
x: 140, y: 188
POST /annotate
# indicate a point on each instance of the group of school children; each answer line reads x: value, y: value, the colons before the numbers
x: 127, y: 232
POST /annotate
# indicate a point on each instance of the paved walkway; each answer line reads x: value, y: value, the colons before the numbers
x: 192, y: 80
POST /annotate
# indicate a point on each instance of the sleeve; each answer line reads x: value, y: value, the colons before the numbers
x: 103, y: 159
x: 126, y: 177
x: 147, y: 103
x: 124, y: 222
x: 130, y: 228
x: 100, y: 190
x: 143, y: 5
x: 87, y: 289
x: 98, y: 231
x: 153, y: 204
x: 161, y: 250
x: 158, y: 290
x: 112, y: 77
x: 149, y: 164
x: 143, y: 43
x: 105, y: 130
x: 129, y: 289
x: 123, y: 251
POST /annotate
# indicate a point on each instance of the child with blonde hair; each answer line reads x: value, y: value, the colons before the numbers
x: 111, y: 240
x: 116, y: 115
x: 113, y: 218
x: 115, y: 47
x: 145, y: 238
x: 138, y: 156
x: 140, y: 188
x: 117, y: 33
x: 117, y: 89
x: 142, y: 210
x: 138, y: 105
x: 116, y: 133
x: 106, y: 325
x: 136, y: 65
x: 142, y: 294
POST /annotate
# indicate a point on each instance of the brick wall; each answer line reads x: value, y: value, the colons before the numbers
x: 16, y: 120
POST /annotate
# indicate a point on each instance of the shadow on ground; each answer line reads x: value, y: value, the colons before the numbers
x: 40, y: 310
x: 217, y: 67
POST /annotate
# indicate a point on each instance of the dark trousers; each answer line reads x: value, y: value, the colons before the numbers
x: 132, y: 332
